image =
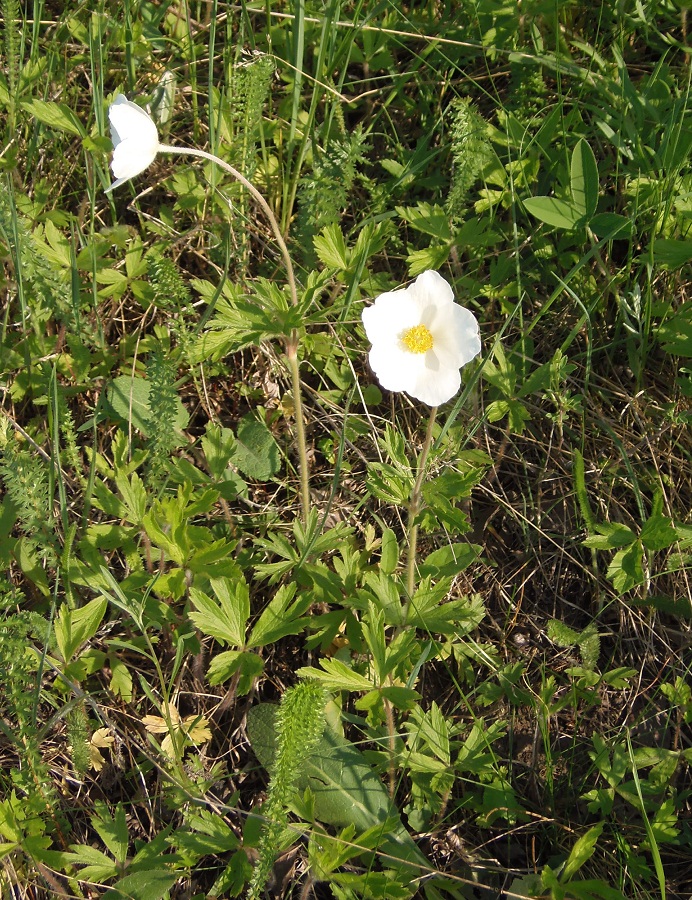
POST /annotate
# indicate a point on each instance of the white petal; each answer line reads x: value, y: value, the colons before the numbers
x: 431, y: 288
x: 435, y: 384
x: 135, y: 139
x: 390, y: 314
x: 396, y: 368
x: 456, y: 337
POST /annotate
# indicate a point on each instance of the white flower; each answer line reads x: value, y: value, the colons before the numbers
x: 135, y: 140
x: 421, y: 338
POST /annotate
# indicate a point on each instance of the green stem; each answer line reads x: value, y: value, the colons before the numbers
x: 292, y: 341
x: 292, y: 356
x: 413, y: 510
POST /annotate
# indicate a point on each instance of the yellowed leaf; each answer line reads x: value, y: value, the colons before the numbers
x: 194, y: 729
x: 101, y: 739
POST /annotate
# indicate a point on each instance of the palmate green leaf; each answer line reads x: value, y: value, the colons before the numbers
x: 73, y: 627
x: 218, y: 444
x: 427, y: 218
x: 584, y: 179
x: 432, y: 257
x: 658, y: 533
x: 283, y: 616
x: 326, y: 854
x: 55, y: 115
x: 224, y: 665
x: 346, y: 790
x: 373, y: 885
x: 331, y: 249
x: 208, y: 833
x: 389, y: 483
x: 134, y: 496
x: 337, y: 676
x: 224, y: 619
x: 112, y: 829
x: 386, y: 591
x: 515, y: 410
x: 611, y: 535
x: 147, y: 885
x: 98, y: 866
x: 457, y: 617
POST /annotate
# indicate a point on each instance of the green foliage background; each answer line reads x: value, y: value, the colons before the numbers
x: 520, y: 726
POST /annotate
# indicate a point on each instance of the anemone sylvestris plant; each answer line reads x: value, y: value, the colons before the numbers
x: 135, y: 146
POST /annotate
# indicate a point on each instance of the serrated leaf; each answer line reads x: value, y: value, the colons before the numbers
x: 611, y: 535
x: 256, y: 453
x: 590, y: 647
x: 429, y: 219
x: 148, y: 885
x: 432, y: 257
x: 218, y: 445
x: 619, y: 678
x: 97, y: 865
x: 224, y: 665
x: 55, y: 115
x: 658, y: 533
x: 562, y: 634
x: 225, y: 618
x: 337, y: 676
x: 73, y: 627
x: 280, y: 618
x: 330, y: 247
x: 112, y: 829
x: 625, y: 569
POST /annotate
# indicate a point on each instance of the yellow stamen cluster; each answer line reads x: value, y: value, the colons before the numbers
x: 417, y: 339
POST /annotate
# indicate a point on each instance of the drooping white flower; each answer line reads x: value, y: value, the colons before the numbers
x: 421, y: 338
x: 135, y: 140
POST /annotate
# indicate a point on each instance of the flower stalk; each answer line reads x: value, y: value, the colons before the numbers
x: 414, y: 508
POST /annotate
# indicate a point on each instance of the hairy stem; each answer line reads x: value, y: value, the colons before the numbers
x: 413, y: 510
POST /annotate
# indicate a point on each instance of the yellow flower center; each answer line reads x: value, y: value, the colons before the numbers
x: 417, y: 339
